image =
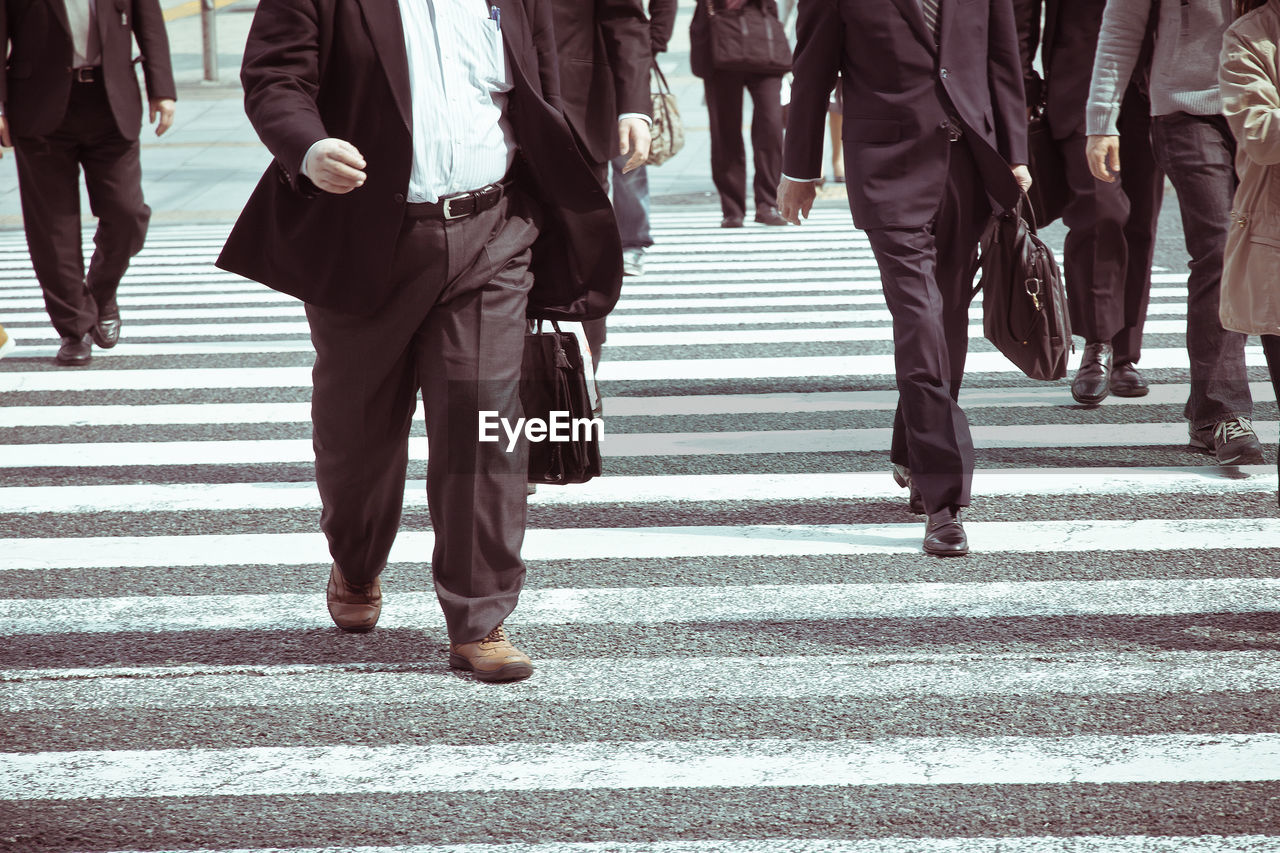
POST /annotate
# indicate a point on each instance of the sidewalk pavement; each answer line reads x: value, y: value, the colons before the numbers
x: 204, y: 168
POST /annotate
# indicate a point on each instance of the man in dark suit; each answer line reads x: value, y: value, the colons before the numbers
x: 69, y: 99
x: 723, y: 91
x: 604, y: 79
x: 934, y: 115
x: 426, y: 192
x: 1112, y: 226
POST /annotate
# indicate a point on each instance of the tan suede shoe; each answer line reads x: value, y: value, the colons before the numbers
x: 353, y: 608
x: 491, y: 659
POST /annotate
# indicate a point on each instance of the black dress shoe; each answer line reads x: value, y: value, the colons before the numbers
x: 731, y: 222
x: 769, y: 216
x: 1126, y: 381
x: 1093, y: 379
x: 944, y: 534
x: 106, y: 332
x: 74, y: 351
x: 902, y: 476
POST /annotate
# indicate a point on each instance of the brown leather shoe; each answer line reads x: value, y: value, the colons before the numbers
x: 491, y: 659
x: 353, y: 607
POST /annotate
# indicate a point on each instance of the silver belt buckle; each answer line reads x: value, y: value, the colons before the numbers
x: 447, y: 209
x: 84, y: 74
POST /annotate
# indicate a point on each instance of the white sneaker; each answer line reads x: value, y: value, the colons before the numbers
x: 633, y: 261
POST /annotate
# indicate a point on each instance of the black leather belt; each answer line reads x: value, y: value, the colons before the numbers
x: 87, y: 74
x: 459, y: 205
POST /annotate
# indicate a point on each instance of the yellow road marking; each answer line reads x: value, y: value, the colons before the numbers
x: 192, y: 7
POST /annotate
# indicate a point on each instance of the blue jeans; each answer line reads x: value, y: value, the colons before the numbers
x: 1198, y: 155
x: 631, y: 205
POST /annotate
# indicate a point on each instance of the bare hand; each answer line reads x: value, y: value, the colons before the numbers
x: 335, y: 166
x: 1023, y: 176
x: 795, y: 199
x: 1103, y: 154
x: 633, y: 139
x: 5, y: 141
x: 164, y: 108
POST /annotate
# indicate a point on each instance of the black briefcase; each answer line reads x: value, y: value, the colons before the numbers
x: 1024, y: 301
x: 553, y: 388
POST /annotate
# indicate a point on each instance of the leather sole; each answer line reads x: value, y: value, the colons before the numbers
x: 1087, y: 400
x: 1131, y: 391
x: 947, y: 552
x: 509, y: 672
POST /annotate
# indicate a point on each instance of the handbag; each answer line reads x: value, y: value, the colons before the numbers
x: 667, y: 132
x: 1024, y: 304
x: 748, y: 40
x: 1049, y: 190
x: 553, y: 388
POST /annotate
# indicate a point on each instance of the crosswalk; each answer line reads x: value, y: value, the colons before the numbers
x: 739, y: 646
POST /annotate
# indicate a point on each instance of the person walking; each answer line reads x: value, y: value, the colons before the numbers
x: 424, y: 185
x: 934, y: 128
x: 1193, y: 145
x: 1249, y: 79
x: 631, y: 189
x: 724, y: 108
x: 1111, y: 234
x: 604, y: 58
x: 69, y: 99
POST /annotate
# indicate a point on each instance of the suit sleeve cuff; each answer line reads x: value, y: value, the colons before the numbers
x: 802, y: 180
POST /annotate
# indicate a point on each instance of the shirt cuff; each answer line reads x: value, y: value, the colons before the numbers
x: 306, y: 158
x: 802, y: 180
x: 646, y: 118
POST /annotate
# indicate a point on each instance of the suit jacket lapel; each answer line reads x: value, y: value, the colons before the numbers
x: 915, y: 17
x: 512, y: 19
x: 60, y: 12
x: 387, y: 32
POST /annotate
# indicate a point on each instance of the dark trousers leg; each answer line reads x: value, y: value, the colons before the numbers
x: 48, y: 181
x: 927, y: 284
x: 1143, y: 184
x: 113, y: 178
x: 728, y: 152
x: 456, y: 328
x: 1271, y: 349
x: 1095, y: 257
x: 766, y: 137
x: 1198, y: 155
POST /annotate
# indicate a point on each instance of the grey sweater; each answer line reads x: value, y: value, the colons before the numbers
x: 1184, y: 70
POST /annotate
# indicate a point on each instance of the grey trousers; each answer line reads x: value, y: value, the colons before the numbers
x: 454, y: 328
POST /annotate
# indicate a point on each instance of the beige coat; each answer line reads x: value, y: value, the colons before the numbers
x: 1250, y: 81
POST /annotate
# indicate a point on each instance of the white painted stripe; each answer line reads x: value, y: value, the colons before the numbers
x: 217, y: 327
x: 766, y: 763
x: 617, y: 341
x: 680, y: 304
x: 861, y: 677
x: 1162, y: 394
x: 1016, y: 844
x: 670, y: 489
x: 651, y: 605
x: 614, y: 445
x: 655, y: 370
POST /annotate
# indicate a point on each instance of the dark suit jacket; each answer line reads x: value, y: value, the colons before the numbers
x: 1067, y: 48
x: 35, y: 82
x: 319, y: 68
x: 603, y: 47
x: 662, y: 22
x: 1067, y: 44
x: 899, y: 91
x: 700, y: 35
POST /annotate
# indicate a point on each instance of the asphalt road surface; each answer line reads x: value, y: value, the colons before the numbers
x: 739, y: 646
